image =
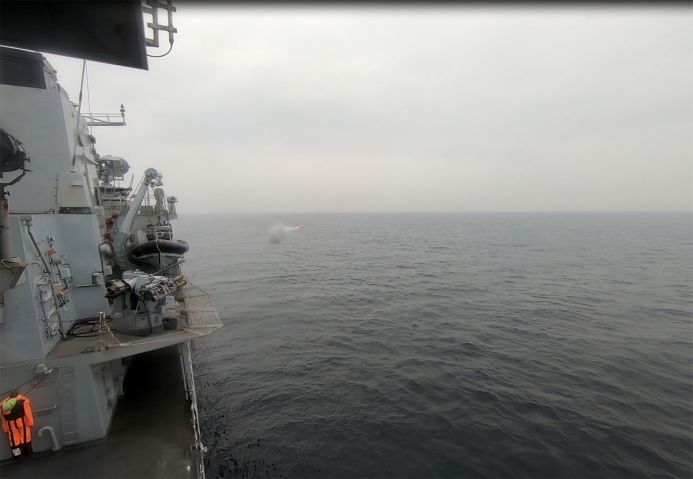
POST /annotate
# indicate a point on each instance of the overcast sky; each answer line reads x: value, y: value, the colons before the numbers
x: 347, y: 109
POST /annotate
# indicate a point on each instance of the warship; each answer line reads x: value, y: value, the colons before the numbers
x: 96, y: 314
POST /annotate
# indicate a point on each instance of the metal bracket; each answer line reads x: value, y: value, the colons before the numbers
x: 152, y: 8
x: 106, y: 119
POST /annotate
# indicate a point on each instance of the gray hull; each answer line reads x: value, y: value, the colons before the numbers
x: 72, y: 302
x: 152, y: 415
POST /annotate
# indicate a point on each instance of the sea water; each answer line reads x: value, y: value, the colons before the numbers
x: 446, y: 345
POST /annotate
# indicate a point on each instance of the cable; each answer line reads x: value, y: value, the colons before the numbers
x: 92, y: 323
x: 156, y: 243
x: 38, y: 250
x: 88, y: 90
x: 49, y: 272
x: 37, y: 380
x: 161, y: 56
x: 177, y: 263
x: 149, y: 319
x: 79, y: 112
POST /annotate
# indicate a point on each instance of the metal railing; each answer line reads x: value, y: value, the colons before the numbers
x: 105, y: 119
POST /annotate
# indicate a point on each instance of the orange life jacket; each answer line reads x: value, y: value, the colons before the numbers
x: 17, y: 422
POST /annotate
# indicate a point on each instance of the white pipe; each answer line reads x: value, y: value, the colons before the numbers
x: 56, y: 446
x: 125, y: 226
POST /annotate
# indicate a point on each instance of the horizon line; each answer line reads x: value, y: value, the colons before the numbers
x: 438, y: 212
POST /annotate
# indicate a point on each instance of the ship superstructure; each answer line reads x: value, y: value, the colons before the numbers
x: 90, y: 271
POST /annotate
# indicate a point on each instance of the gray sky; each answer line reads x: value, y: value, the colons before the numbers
x: 341, y: 109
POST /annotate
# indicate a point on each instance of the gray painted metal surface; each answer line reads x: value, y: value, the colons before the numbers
x: 62, y: 319
x: 153, y: 415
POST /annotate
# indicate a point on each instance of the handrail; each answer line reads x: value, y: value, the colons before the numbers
x: 105, y: 119
x: 16, y: 365
x: 45, y: 410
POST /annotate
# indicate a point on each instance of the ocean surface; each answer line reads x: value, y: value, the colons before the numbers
x: 446, y: 345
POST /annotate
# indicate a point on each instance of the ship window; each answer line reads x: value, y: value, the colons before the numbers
x: 21, y: 70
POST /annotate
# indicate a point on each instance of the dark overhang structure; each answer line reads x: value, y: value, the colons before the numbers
x: 108, y: 31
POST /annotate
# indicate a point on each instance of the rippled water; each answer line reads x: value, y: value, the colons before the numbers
x: 443, y: 345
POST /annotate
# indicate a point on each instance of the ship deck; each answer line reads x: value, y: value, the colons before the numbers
x: 150, y: 436
x: 196, y: 317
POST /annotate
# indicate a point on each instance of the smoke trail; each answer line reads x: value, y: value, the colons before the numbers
x: 278, y: 232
